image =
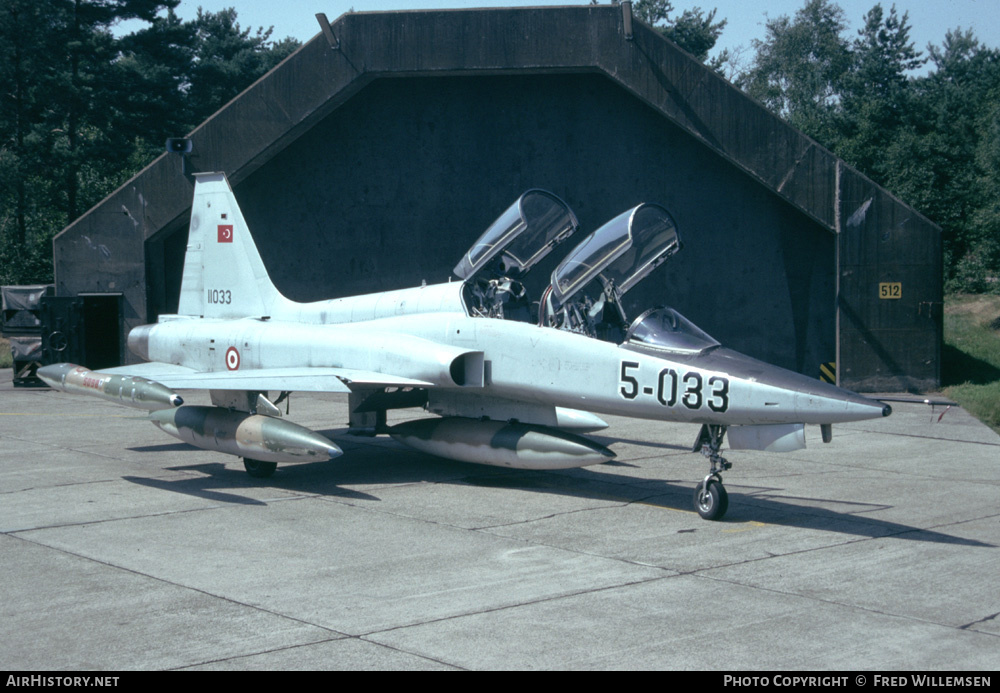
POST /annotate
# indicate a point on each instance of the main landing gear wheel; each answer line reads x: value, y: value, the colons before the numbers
x: 258, y: 469
x: 713, y: 503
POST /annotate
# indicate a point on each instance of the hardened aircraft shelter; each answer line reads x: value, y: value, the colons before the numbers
x: 372, y: 157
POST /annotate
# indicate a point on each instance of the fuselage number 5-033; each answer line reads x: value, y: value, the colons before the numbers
x: 690, y: 389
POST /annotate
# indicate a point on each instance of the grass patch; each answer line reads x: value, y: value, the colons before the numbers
x: 970, y: 357
x: 6, y: 357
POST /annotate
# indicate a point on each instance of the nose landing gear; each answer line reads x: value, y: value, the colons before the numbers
x: 710, y: 498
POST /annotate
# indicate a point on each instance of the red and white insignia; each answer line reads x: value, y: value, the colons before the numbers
x: 232, y: 358
x: 225, y: 233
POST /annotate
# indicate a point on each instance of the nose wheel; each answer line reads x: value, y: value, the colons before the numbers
x: 711, y: 500
x: 258, y: 469
x: 710, y: 497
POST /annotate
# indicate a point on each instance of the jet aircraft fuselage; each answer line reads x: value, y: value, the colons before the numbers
x: 515, y: 361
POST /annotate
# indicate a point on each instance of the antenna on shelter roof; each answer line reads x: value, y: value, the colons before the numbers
x: 324, y: 24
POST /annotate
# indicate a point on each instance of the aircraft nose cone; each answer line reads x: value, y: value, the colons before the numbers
x: 825, y: 401
x: 798, y: 397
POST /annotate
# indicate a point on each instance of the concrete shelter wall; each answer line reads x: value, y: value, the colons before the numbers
x: 888, y: 341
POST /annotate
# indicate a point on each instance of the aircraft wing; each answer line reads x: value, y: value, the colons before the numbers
x: 298, y: 379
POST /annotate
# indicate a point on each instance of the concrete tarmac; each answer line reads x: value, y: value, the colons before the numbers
x: 124, y: 549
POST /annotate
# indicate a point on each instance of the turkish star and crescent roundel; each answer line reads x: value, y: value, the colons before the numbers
x: 232, y: 358
x: 225, y: 233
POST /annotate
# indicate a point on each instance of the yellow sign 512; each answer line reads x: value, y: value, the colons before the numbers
x: 890, y: 290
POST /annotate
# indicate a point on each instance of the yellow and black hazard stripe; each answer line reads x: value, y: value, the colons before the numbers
x: 828, y: 372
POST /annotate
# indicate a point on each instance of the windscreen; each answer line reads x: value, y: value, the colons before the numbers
x: 664, y: 328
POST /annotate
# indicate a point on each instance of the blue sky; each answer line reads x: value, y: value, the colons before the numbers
x: 930, y: 19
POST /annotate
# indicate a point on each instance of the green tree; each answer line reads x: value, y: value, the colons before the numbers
x: 878, y: 97
x: 984, y: 227
x: 959, y: 108
x: 83, y: 110
x: 75, y: 123
x: 24, y: 52
x: 694, y: 31
x: 883, y: 54
x: 56, y: 64
x: 228, y: 59
x: 154, y: 74
x: 174, y: 74
x: 799, y: 68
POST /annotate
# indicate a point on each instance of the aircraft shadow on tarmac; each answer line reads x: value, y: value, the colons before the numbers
x: 383, y: 462
x: 165, y: 447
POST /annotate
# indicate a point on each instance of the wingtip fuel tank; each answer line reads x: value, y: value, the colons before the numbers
x: 130, y: 390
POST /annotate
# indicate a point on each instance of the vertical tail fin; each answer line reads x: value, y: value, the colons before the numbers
x: 224, y: 276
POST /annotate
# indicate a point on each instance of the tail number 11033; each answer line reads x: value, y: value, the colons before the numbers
x: 690, y: 389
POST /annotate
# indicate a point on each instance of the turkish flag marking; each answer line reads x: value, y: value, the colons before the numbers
x: 225, y: 233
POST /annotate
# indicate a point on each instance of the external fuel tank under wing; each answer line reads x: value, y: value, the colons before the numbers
x: 516, y: 378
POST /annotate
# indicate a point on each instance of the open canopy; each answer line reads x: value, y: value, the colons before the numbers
x: 620, y: 253
x: 524, y: 234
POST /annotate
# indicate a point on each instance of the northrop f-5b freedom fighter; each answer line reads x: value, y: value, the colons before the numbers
x: 514, y: 379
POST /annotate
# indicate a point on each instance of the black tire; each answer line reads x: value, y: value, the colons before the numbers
x: 712, y: 505
x: 258, y: 469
